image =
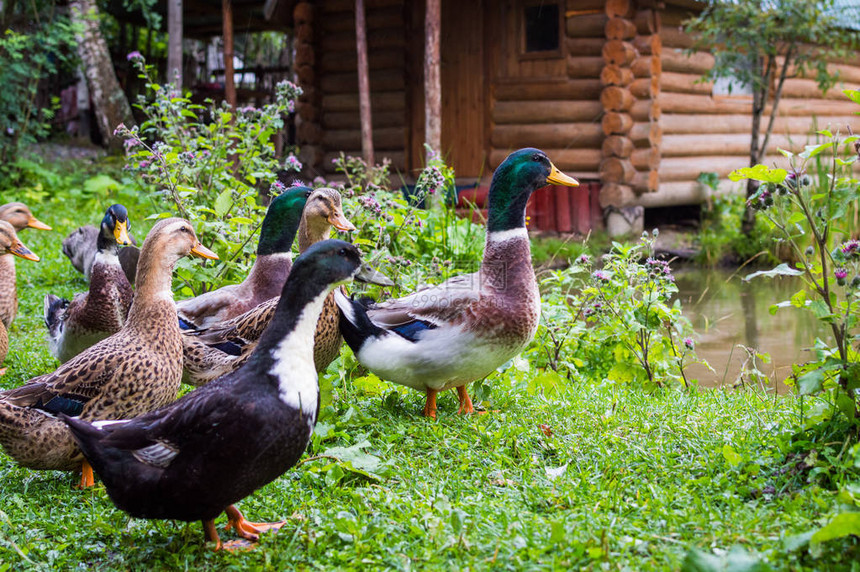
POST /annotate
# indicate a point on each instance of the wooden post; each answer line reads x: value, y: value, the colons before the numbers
x: 174, y: 43
x: 229, y: 86
x: 432, y: 77
x: 363, y: 84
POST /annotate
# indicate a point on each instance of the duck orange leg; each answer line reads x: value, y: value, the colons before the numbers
x: 248, y: 530
x: 465, y: 401
x: 430, y: 404
x: 87, y: 478
x: 211, y: 534
x: 2, y: 370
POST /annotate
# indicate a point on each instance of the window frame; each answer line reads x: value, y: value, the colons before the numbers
x: 521, y: 31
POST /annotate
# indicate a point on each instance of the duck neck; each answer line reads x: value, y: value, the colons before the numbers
x: 312, y: 232
x: 507, y: 259
x: 8, y: 290
x: 285, y: 353
x: 153, y: 296
x: 269, y: 273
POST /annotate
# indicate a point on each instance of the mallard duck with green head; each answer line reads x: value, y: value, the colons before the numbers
x: 220, y: 348
x: 135, y: 370
x: 463, y: 329
x: 91, y: 316
x: 10, y: 245
x: 271, y: 267
x: 193, y: 459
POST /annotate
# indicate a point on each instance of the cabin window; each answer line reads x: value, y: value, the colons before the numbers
x: 541, y: 28
x: 730, y: 84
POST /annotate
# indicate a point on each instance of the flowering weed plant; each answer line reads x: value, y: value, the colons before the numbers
x: 212, y: 165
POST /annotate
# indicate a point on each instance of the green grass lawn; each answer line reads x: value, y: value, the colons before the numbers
x: 594, y: 476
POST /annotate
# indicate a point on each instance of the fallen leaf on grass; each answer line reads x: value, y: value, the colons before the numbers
x: 546, y: 429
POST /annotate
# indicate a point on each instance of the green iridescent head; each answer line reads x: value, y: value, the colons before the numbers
x: 514, y: 181
x: 282, y: 221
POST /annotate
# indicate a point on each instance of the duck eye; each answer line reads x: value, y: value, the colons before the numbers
x: 537, y: 157
x: 342, y: 252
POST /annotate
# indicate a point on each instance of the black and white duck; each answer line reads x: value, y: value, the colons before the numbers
x: 193, y: 459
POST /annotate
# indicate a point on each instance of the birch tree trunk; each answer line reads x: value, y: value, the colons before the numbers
x: 109, y: 101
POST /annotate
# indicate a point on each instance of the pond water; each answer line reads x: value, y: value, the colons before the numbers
x: 728, y: 313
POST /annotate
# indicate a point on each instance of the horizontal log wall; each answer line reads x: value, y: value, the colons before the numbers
x: 700, y: 132
x: 558, y: 113
x: 338, y: 80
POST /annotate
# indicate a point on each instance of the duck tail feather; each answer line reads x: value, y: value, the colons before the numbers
x: 355, y: 324
x: 54, y: 309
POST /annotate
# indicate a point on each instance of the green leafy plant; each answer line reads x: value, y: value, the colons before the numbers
x: 620, y: 320
x: 801, y: 210
x: 29, y: 57
x: 210, y: 164
x: 808, y: 214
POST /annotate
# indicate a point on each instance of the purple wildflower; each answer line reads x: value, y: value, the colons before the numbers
x: 584, y: 259
x: 689, y: 344
x: 851, y: 248
x: 293, y: 163
x: 841, y: 274
x: 134, y: 56
x: 120, y: 129
x: 600, y: 275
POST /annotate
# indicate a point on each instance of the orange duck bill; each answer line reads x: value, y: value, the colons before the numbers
x: 36, y: 223
x: 340, y: 222
x: 203, y: 252
x: 18, y: 249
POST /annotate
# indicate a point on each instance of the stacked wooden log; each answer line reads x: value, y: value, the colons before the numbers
x: 704, y: 132
x: 552, y: 104
x: 630, y: 78
x: 308, y: 128
x: 338, y: 80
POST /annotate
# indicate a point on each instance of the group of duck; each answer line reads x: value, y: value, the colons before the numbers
x: 254, y: 348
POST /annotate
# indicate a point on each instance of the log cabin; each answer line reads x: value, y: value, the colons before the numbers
x: 605, y: 87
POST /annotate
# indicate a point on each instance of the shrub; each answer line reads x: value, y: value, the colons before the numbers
x: 209, y: 164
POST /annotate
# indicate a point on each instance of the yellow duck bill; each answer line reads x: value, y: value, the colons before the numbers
x: 556, y: 177
x: 120, y: 233
x: 340, y: 222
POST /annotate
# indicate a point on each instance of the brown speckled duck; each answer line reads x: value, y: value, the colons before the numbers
x: 463, y: 329
x: 94, y: 315
x: 9, y: 245
x: 272, y: 264
x: 222, y: 347
x: 129, y: 373
x: 20, y: 217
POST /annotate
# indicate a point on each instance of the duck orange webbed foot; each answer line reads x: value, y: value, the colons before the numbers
x: 87, y: 478
x: 248, y: 530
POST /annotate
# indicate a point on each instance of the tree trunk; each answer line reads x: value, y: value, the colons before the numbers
x: 229, y: 75
x: 432, y: 78
x: 759, y: 103
x: 109, y: 101
x: 363, y: 85
x: 174, y: 43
